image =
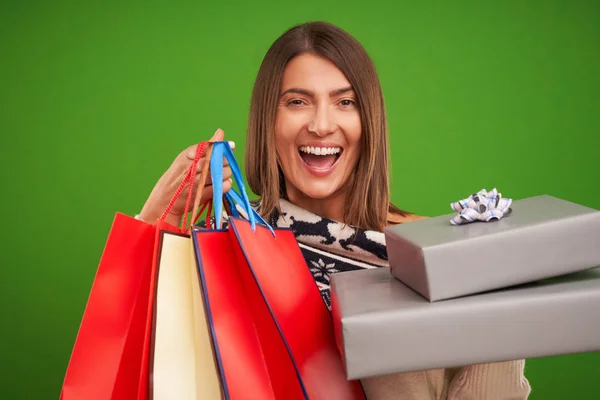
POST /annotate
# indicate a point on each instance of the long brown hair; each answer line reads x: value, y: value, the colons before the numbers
x: 369, y: 206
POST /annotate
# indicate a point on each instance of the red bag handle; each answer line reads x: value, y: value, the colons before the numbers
x: 207, y: 221
x: 203, y: 176
x: 189, y: 180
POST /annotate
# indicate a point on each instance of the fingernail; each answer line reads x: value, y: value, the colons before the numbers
x: 231, y: 144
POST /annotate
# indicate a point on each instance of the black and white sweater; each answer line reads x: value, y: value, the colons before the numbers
x: 329, y: 246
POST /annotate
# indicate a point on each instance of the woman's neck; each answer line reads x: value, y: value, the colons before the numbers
x: 331, y: 208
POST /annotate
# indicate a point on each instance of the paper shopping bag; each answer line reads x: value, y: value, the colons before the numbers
x: 181, y: 356
x: 145, y: 378
x: 252, y: 355
x: 107, y: 353
x: 295, y: 303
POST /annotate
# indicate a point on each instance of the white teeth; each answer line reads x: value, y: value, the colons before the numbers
x: 320, y: 151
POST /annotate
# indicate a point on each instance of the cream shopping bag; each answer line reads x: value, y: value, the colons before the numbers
x: 182, y: 362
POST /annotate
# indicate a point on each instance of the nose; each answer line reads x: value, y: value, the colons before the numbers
x: 322, y: 123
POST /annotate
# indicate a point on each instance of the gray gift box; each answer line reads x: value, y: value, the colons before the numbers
x: 543, y: 237
x: 383, y: 327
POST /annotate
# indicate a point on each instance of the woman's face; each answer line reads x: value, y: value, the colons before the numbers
x: 317, y: 129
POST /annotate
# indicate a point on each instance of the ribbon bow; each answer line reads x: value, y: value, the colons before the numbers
x: 481, y: 206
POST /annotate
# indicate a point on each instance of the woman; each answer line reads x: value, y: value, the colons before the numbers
x: 317, y: 156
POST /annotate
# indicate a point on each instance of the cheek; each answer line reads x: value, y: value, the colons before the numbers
x: 286, y: 131
x: 355, y: 138
x: 284, y: 142
x: 354, y: 134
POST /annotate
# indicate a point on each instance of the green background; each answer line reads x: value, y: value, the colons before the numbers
x: 97, y: 100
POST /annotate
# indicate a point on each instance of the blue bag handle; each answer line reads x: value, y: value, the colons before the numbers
x: 232, y: 205
x: 234, y: 197
x: 220, y: 150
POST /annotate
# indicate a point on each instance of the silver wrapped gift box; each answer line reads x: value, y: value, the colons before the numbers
x: 543, y: 237
x: 383, y: 327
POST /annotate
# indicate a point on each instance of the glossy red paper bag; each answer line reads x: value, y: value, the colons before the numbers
x: 293, y: 299
x: 106, y: 357
x: 252, y: 356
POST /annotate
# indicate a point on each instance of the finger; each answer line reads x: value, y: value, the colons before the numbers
x: 218, y: 136
x: 190, y: 152
x: 227, y: 174
x: 201, y: 164
x: 207, y: 191
x: 227, y: 185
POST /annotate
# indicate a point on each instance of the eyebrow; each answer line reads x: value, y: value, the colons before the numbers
x: 308, y: 93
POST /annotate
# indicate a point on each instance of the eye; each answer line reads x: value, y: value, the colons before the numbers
x: 295, y: 103
x: 347, y: 103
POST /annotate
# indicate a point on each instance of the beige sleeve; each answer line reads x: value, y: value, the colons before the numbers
x: 497, y: 381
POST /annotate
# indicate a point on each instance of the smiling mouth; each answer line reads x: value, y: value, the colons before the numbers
x: 320, y: 158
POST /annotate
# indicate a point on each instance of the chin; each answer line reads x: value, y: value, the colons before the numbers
x: 317, y: 190
x: 318, y: 194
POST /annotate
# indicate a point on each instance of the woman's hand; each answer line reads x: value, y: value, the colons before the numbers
x: 168, y: 183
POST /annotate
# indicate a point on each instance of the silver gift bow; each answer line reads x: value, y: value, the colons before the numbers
x: 481, y: 206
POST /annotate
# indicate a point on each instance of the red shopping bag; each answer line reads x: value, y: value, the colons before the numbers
x: 253, y: 359
x: 107, y: 356
x: 290, y: 292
